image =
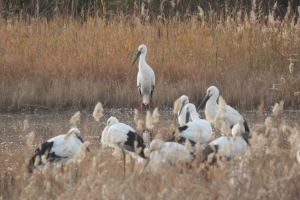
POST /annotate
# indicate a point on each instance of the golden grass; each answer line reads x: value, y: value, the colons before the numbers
x: 267, y: 171
x: 64, y: 63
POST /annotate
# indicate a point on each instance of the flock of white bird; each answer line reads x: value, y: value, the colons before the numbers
x: 192, y: 129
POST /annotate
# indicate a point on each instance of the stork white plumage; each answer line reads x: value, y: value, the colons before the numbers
x: 145, y: 77
x: 170, y: 153
x: 58, y: 150
x: 120, y: 135
x: 183, y: 116
x: 103, y: 137
x: 195, y: 130
x: 231, y: 116
x: 228, y: 147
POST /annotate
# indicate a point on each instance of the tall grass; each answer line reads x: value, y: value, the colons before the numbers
x: 267, y: 170
x: 65, y: 63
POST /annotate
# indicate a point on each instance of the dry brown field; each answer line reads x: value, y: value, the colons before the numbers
x: 47, y: 66
x: 268, y: 169
x: 65, y: 63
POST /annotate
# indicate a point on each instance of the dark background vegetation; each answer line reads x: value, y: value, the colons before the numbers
x: 166, y: 8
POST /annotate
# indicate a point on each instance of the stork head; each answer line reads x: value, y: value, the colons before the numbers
x: 141, y: 50
x: 184, y: 100
x: 111, y: 121
x: 236, y: 130
x: 190, y: 108
x: 76, y: 131
x: 212, y: 93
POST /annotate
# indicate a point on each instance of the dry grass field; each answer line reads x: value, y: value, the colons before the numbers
x: 268, y: 170
x: 64, y: 63
x: 67, y: 64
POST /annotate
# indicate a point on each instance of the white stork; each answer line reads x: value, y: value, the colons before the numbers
x: 145, y: 77
x: 231, y: 116
x: 120, y: 135
x: 183, y: 116
x: 228, y: 147
x: 58, y: 150
x: 167, y: 153
x: 197, y: 129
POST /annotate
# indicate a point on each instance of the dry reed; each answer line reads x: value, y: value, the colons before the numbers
x: 98, y: 111
x: 64, y: 63
x: 26, y: 125
x: 271, y: 160
x: 49, y: 58
x: 75, y: 119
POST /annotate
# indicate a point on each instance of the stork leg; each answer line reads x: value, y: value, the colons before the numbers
x: 62, y: 168
x: 149, y: 105
x: 141, y: 105
x: 124, y: 161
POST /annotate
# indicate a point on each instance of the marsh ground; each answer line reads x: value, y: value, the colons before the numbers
x: 266, y: 166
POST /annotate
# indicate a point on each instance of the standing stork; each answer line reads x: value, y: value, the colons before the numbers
x: 57, y: 150
x: 145, y: 77
x: 120, y: 135
x: 197, y: 129
x: 231, y: 116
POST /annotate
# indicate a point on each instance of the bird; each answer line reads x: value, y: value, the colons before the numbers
x: 183, y: 116
x: 229, y: 147
x: 197, y: 128
x: 171, y: 153
x: 103, y: 136
x: 231, y: 116
x: 122, y: 136
x: 58, y: 150
x: 145, y: 77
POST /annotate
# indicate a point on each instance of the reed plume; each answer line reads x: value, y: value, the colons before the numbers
x: 98, y: 112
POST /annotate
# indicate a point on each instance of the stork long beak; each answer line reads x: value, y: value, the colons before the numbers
x: 80, y: 138
x: 246, y: 138
x: 203, y: 102
x: 187, y: 117
x: 180, y: 109
x: 136, y: 57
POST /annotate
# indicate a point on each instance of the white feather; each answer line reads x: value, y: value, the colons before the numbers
x: 170, y: 153
x: 145, y: 77
x: 198, y: 128
x: 182, y: 111
x: 231, y: 146
x: 231, y: 116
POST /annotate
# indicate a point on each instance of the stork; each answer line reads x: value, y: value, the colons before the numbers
x: 197, y: 129
x: 145, y: 77
x: 231, y: 116
x: 58, y: 149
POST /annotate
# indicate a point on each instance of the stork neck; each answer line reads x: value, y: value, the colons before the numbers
x: 142, y: 60
x: 212, y: 101
x: 194, y: 116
